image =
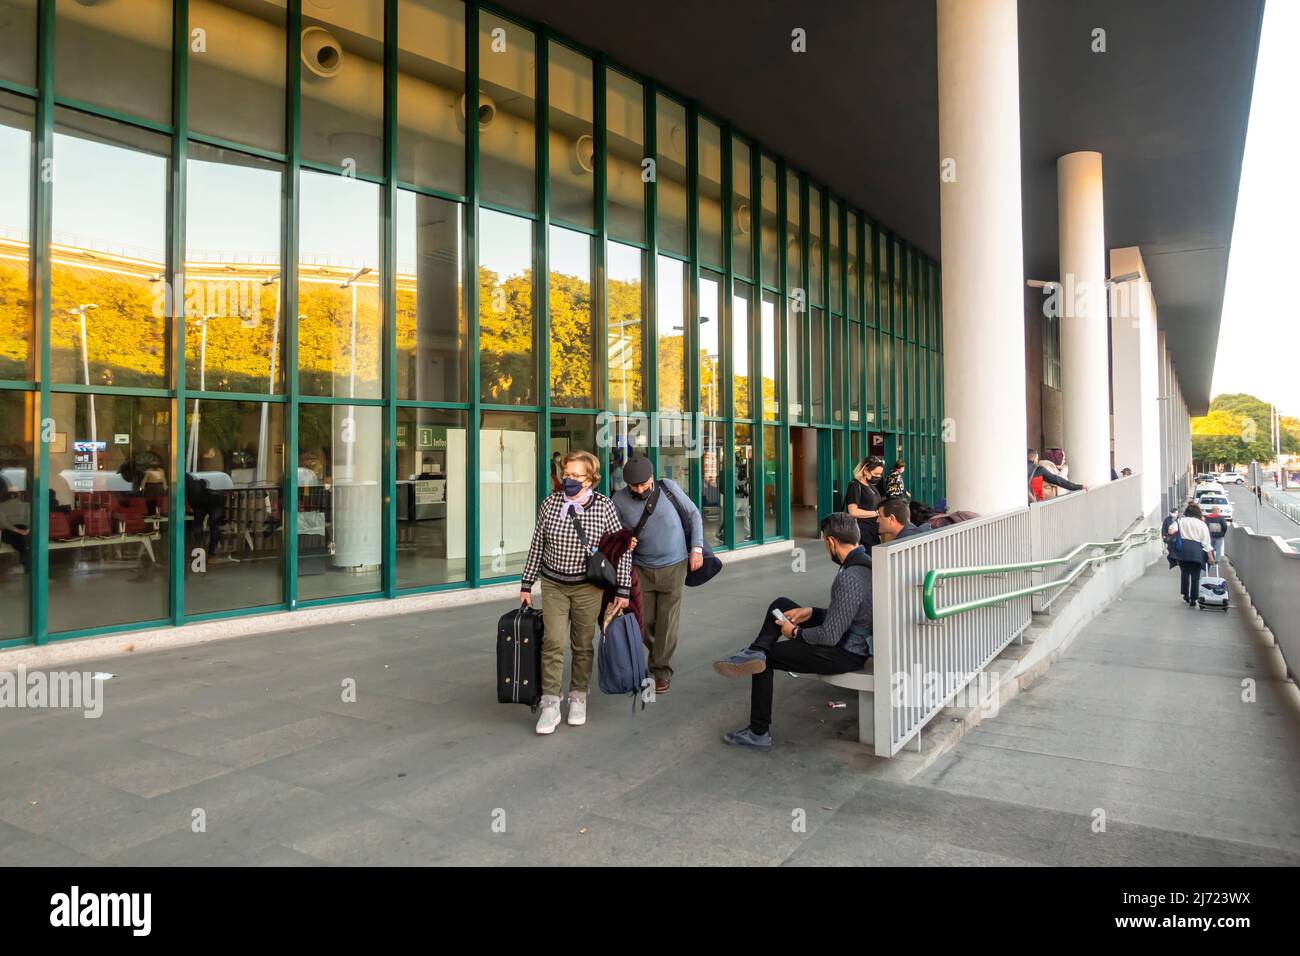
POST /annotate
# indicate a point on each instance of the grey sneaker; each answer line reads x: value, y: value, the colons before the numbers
x: 747, y: 738
x: 745, y: 663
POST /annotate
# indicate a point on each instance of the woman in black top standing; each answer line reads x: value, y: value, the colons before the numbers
x: 864, y: 496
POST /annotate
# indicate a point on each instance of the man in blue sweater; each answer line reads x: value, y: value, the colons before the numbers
x: 832, y: 640
x: 660, y: 555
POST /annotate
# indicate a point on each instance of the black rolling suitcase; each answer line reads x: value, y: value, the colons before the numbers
x: 519, y: 657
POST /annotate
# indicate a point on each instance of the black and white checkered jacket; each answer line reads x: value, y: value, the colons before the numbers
x: 556, y: 551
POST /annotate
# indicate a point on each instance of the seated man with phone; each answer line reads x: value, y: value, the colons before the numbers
x: 831, y: 640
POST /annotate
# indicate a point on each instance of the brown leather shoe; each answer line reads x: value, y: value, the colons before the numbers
x: 661, y: 685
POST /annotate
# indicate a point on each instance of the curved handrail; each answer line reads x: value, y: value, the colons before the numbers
x: 933, y: 577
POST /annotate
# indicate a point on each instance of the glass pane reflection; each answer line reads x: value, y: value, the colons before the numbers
x: 340, y: 500
x: 108, y: 533
x: 17, y: 542
x: 432, y: 466
x: 339, y: 331
x: 15, y: 237
x: 507, y: 491
x: 624, y: 296
x: 232, y: 273
x: 109, y: 294
x: 234, y: 505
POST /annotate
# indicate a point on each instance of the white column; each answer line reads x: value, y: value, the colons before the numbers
x: 983, y: 266
x: 1166, y: 424
x: 357, y: 483
x: 1135, y: 378
x: 1085, y: 379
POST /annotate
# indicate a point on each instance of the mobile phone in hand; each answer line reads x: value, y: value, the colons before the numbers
x: 781, y: 618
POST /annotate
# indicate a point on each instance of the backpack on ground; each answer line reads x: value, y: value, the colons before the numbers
x: 519, y: 657
x: 620, y: 663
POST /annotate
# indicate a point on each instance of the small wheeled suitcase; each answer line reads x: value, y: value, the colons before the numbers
x: 519, y: 657
x: 1214, y: 593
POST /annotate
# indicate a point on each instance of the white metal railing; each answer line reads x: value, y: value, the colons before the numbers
x: 1269, y: 570
x: 920, y: 665
x: 1057, y: 525
x: 1282, y: 505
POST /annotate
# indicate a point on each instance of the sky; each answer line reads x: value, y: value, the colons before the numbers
x: 1259, y: 338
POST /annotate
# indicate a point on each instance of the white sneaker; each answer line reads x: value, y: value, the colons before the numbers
x: 549, y: 718
x: 577, y: 708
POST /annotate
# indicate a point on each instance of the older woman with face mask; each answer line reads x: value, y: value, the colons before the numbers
x: 570, y: 605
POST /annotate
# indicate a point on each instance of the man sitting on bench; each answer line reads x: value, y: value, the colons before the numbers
x: 833, y: 640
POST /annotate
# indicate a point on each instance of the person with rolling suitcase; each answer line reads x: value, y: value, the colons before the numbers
x: 1189, y: 548
x: 575, y: 576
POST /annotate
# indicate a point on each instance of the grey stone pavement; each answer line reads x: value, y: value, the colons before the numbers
x: 1291, y: 494
x: 1270, y: 520
x: 1142, y: 718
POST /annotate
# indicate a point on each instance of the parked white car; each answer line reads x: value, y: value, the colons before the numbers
x: 1208, y: 486
x: 1215, y: 503
x: 1231, y: 477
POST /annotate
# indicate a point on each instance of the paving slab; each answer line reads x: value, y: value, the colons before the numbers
x: 1142, y: 717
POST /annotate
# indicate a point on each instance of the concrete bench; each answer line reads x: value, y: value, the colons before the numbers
x: 864, y: 682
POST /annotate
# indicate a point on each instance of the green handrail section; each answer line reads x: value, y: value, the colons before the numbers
x: 933, y: 578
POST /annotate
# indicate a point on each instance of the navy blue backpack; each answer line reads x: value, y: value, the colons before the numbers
x: 620, y: 664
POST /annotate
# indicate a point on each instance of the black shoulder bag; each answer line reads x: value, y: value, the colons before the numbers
x: 649, y: 510
x: 599, y: 571
x: 711, y: 566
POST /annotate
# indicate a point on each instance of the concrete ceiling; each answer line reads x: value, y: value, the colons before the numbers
x: 1166, y: 104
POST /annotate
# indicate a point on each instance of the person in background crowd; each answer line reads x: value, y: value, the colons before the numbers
x: 660, y: 556
x: 207, y: 505
x: 833, y: 640
x: 862, y: 500
x: 742, y: 494
x: 1218, y: 526
x: 152, y: 483
x: 557, y: 481
x: 895, y: 520
x: 894, y: 487
x: 570, y: 605
x: 1197, y: 547
x: 15, y: 524
x: 1165, y: 525
x: 1049, y: 477
x: 1044, y: 490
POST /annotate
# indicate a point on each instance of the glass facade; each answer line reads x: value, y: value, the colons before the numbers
x: 288, y: 291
